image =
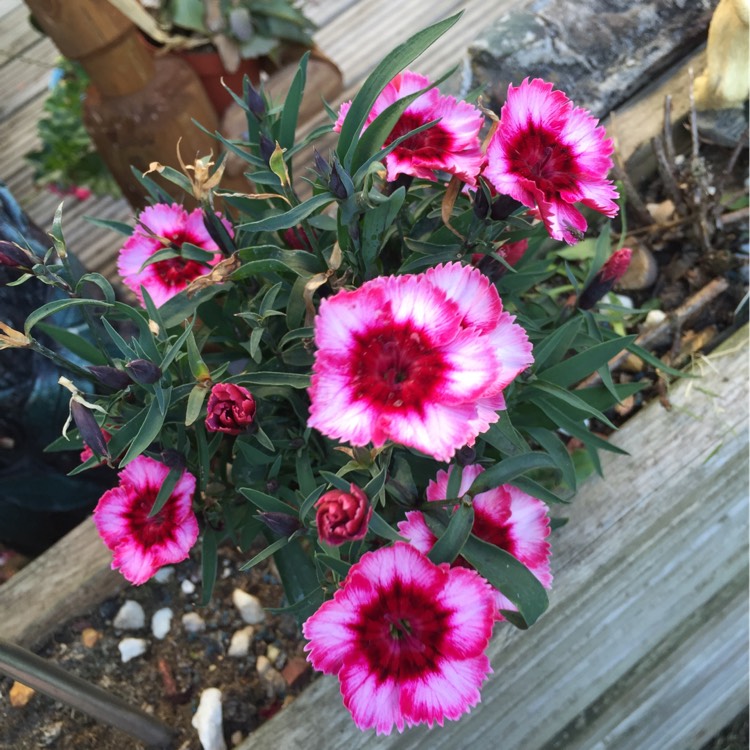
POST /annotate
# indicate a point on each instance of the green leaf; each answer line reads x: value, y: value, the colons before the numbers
x: 195, y: 403
x: 124, y: 436
x: 299, y: 579
x: 509, y: 576
x: 338, y: 566
x: 98, y: 280
x: 74, y: 343
x: 291, y: 218
x: 375, y: 486
x: 266, y: 553
x: 176, y: 347
x: 209, y: 563
x: 383, y: 74
x: 375, y: 223
x: 125, y: 349
x: 289, y: 379
x: 508, y: 469
x: 577, y: 367
x: 292, y: 101
x: 266, y: 502
x: 567, y: 397
x: 117, y: 226
x: 559, y: 452
x: 555, y: 346
x: 56, y: 306
x: 179, y: 308
x: 310, y: 501
x: 338, y: 482
x: 165, y: 491
x: 145, y: 338
x: 451, y: 538
x: 539, y: 491
x: 378, y: 525
x: 305, y: 476
x: 504, y: 437
x: 148, y: 432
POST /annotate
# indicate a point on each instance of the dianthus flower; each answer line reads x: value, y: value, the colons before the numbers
x: 406, y: 639
x: 160, y: 227
x: 504, y: 516
x: 452, y: 145
x: 418, y: 359
x: 548, y: 154
x: 141, y: 545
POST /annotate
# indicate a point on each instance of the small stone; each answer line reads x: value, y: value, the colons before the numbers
x: 274, y: 683
x: 633, y: 363
x: 20, y: 695
x: 240, y: 643
x: 624, y: 301
x: 193, y: 622
x: 188, y: 587
x: 276, y: 656
x: 249, y: 606
x: 642, y: 270
x: 90, y: 637
x: 130, y: 648
x: 208, y: 720
x: 50, y: 733
x: 661, y: 212
x: 236, y: 738
x: 164, y: 575
x: 130, y: 616
x: 654, y: 318
x: 296, y: 672
x: 161, y: 622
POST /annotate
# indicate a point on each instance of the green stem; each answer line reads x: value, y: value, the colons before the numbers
x: 48, y: 678
x: 59, y: 360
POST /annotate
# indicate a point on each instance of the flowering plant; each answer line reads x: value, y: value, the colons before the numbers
x: 365, y: 367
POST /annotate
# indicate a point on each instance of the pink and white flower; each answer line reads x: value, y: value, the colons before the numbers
x: 452, y: 145
x: 548, y: 154
x: 406, y: 639
x: 418, y: 359
x: 160, y: 227
x: 504, y: 516
x: 141, y: 545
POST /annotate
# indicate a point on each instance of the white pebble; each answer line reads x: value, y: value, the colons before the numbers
x: 130, y: 617
x: 207, y: 720
x: 161, y: 622
x: 131, y: 647
x: 654, y: 318
x: 193, y: 622
x: 273, y: 653
x: 273, y: 680
x: 625, y: 301
x: 187, y: 586
x: 240, y: 643
x: 164, y: 575
x: 249, y: 607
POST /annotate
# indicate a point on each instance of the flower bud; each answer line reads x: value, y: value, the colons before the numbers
x: 15, y: 256
x: 255, y: 101
x: 173, y: 459
x: 87, y: 453
x: 503, y: 206
x: 609, y: 274
x: 267, y: 148
x: 322, y: 167
x: 481, y: 204
x: 343, y: 516
x: 110, y: 376
x: 282, y: 524
x: 230, y: 409
x: 143, y: 371
x: 90, y: 431
x: 336, y: 184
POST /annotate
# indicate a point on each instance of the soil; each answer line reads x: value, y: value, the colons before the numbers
x: 168, y: 679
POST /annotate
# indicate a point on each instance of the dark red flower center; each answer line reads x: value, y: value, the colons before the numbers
x: 538, y: 155
x: 432, y: 143
x: 402, y: 632
x: 150, y: 531
x: 177, y: 271
x: 396, y: 368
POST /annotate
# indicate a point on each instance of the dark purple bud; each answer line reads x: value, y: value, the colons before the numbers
x: 173, y: 459
x: 481, y: 204
x: 90, y: 431
x: 609, y: 274
x: 255, y: 101
x: 322, y: 167
x: 267, y: 147
x: 218, y: 232
x: 336, y: 184
x: 110, y: 376
x: 282, y: 524
x: 143, y: 371
x: 15, y: 256
x: 503, y: 206
x: 466, y: 456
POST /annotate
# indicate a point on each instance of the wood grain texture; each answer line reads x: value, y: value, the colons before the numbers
x: 67, y: 580
x: 645, y: 642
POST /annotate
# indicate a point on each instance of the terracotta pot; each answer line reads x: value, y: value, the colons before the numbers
x: 211, y: 70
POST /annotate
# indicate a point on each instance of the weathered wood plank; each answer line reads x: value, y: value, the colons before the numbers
x: 25, y: 78
x: 16, y: 34
x: 639, y: 571
x: 67, y: 580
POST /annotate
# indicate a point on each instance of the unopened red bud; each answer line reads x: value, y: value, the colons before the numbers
x: 90, y: 431
x: 609, y: 274
x: 15, y: 256
x: 282, y: 524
